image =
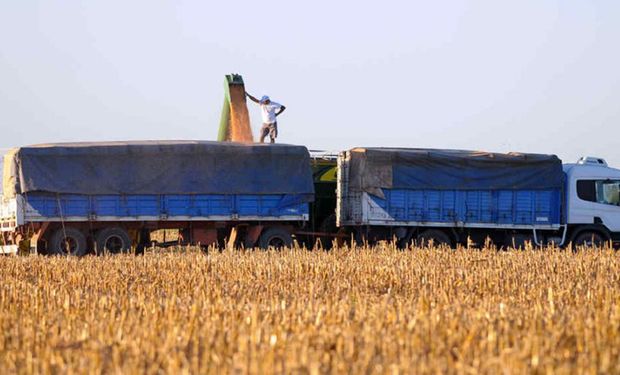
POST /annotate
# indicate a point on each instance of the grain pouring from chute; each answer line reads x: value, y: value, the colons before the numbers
x: 235, y: 120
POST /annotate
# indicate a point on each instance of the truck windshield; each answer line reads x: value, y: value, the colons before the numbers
x: 608, y: 192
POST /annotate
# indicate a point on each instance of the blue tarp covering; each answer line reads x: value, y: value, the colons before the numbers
x: 160, y: 167
x: 375, y: 168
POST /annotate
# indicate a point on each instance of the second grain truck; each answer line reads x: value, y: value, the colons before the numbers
x: 453, y: 196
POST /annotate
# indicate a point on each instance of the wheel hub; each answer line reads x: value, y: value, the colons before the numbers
x: 113, y: 244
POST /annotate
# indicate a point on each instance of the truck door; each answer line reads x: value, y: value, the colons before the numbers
x: 599, y: 198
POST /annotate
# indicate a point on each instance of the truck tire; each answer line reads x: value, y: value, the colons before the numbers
x: 590, y: 239
x: 438, y: 238
x: 275, y: 237
x: 406, y: 242
x: 113, y: 241
x: 363, y: 236
x: 68, y: 241
x: 328, y: 226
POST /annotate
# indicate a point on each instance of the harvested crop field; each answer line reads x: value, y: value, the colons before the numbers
x: 350, y: 310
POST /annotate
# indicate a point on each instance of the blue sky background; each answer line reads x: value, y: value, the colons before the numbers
x: 532, y: 76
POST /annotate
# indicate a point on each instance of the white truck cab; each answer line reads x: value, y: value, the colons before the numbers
x: 593, y: 199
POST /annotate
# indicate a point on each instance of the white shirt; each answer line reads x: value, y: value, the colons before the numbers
x: 268, y: 111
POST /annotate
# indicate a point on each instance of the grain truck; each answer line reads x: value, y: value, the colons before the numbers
x: 79, y: 198
x: 453, y: 196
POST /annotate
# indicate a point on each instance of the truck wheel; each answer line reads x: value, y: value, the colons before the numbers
x: 69, y: 241
x: 405, y: 242
x: 275, y: 237
x: 590, y: 239
x: 113, y: 241
x: 437, y: 237
x: 364, y: 237
x: 328, y: 226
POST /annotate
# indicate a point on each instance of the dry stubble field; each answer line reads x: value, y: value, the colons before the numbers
x: 350, y: 310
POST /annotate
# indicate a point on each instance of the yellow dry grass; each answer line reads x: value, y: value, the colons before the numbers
x: 346, y: 311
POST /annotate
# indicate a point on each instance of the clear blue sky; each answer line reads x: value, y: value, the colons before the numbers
x: 532, y: 76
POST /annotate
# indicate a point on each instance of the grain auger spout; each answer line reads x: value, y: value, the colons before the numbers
x: 235, y: 120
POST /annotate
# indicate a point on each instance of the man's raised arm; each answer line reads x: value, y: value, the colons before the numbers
x: 252, y: 98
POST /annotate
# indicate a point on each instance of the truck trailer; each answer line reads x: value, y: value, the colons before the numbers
x: 79, y: 198
x: 453, y: 196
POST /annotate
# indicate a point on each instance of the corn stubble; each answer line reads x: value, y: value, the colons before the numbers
x: 357, y: 310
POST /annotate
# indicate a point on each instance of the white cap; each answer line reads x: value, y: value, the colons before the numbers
x: 264, y: 99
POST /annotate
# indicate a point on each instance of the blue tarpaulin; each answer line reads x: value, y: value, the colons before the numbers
x: 375, y: 168
x: 159, y: 167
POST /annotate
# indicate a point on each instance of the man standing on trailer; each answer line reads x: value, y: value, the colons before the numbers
x: 269, y: 111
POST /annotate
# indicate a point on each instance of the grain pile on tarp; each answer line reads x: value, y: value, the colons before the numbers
x: 158, y: 167
x: 235, y: 120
